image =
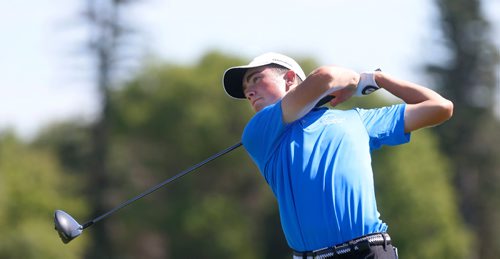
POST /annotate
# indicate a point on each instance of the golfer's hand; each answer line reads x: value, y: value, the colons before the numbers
x: 342, y: 95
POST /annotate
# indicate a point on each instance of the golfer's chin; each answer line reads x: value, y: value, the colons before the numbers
x: 257, y: 106
x: 261, y: 104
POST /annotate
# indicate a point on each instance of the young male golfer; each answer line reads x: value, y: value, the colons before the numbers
x: 317, y: 161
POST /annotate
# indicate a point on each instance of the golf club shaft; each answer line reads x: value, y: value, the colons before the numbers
x: 158, y: 186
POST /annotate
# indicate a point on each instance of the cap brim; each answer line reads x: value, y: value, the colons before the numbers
x: 233, y: 81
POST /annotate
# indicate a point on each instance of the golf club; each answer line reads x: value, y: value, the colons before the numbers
x: 68, y: 228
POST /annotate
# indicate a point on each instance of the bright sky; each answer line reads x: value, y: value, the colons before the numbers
x: 44, y: 77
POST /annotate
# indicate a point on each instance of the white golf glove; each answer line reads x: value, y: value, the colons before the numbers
x: 366, y: 84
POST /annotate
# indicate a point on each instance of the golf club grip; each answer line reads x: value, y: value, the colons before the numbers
x: 324, y: 100
x: 158, y: 186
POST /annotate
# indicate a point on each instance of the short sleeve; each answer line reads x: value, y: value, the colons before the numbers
x: 385, y: 126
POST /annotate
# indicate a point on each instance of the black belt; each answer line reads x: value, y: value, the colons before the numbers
x: 356, y: 244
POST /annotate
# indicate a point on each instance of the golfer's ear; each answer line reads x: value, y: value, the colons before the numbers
x: 289, y: 78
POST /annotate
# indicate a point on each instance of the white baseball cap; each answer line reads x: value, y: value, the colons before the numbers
x: 233, y: 77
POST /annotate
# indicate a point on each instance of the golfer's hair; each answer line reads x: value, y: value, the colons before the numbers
x: 281, y: 70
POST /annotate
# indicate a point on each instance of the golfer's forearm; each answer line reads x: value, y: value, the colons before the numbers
x: 335, y: 78
x: 426, y: 107
x: 409, y: 92
x: 321, y: 82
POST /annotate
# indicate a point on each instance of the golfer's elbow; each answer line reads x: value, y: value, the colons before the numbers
x: 323, y: 78
x: 427, y: 114
x: 440, y: 111
x: 445, y: 109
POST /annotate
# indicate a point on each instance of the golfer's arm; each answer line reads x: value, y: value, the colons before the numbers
x: 425, y: 107
x: 320, y: 83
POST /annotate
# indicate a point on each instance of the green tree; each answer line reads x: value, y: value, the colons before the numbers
x: 105, y: 47
x: 71, y: 142
x: 32, y: 186
x: 469, y: 77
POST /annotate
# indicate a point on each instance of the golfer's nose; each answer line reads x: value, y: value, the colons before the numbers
x: 250, y: 94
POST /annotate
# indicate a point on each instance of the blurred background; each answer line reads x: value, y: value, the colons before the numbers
x: 100, y: 100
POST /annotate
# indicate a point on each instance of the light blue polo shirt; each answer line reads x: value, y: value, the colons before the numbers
x: 319, y: 169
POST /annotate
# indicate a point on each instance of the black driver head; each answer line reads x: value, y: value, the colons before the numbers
x: 66, y: 226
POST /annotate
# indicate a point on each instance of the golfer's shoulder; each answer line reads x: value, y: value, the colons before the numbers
x: 269, y: 113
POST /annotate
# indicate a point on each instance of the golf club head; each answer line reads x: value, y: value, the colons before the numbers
x: 66, y: 226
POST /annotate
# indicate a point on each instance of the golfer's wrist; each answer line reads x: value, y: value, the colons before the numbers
x: 366, y: 84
